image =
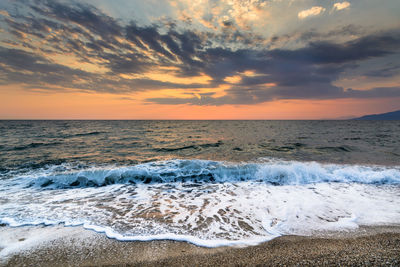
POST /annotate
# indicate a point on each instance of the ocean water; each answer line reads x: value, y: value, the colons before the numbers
x: 210, y: 183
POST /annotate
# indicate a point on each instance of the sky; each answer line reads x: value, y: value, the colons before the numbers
x: 198, y: 59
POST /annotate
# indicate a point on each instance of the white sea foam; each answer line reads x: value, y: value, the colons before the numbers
x: 207, y: 203
x: 205, y: 171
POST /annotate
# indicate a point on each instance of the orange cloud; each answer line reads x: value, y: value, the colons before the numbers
x: 314, y: 11
x: 342, y: 5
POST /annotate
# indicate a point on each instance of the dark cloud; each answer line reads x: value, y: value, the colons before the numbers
x: 148, y: 36
x: 19, y: 60
x: 248, y: 96
x: 227, y: 23
x: 31, y: 69
x: 126, y: 63
x: 373, y: 93
x: 387, y: 71
x: 374, y: 45
x: 86, y: 16
x: 313, y: 34
x: 305, y: 73
x: 37, y: 71
x: 89, y: 35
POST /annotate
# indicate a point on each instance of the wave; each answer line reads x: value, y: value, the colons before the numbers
x: 335, y: 148
x: 87, y: 134
x: 273, y: 172
x: 34, y: 145
x: 199, y: 146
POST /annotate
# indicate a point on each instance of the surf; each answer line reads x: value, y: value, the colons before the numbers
x: 274, y: 172
x: 204, y: 202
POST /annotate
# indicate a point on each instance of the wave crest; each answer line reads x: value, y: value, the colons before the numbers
x: 203, y: 171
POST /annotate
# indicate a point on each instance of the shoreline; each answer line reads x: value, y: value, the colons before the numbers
x: 75, y: 246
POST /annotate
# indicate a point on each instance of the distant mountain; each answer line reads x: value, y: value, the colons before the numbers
x: 394, y: 115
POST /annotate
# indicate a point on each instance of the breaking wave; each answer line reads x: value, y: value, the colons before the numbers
x: 203, y: 171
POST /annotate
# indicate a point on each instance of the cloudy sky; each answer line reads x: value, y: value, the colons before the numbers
x: 198, y: 59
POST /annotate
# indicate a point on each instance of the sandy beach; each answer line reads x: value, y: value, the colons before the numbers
x: 75, y: 246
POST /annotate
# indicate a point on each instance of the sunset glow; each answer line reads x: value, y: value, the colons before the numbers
x: 198, y: 59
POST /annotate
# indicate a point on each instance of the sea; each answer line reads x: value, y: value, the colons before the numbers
x: 210, y: 183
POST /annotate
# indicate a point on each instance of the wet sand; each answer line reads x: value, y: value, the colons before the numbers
x: 75, y: 246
